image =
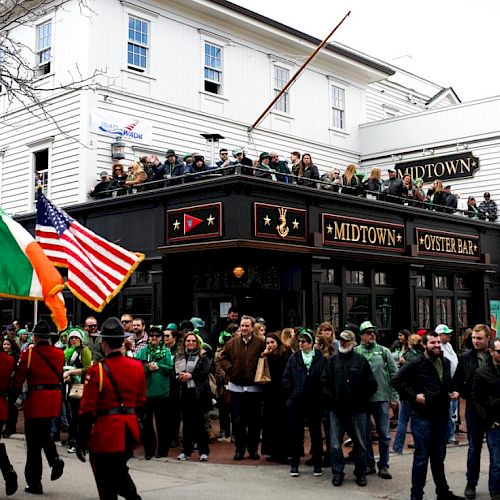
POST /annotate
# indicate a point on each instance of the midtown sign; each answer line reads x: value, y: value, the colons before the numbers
x: 448, y: 167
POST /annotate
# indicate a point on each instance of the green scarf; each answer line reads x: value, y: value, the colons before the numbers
x: 155, y: 353
x: 307, y: 357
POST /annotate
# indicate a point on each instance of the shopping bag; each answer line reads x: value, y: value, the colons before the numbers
x: 262, y: 375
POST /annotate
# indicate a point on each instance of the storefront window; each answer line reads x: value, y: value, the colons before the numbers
x: 441, y: 282
x: 424, y: 312
x: 142, y: 305
x: 443, y: 311
x: 382, y: 279
x: 462, y: 283
x: 383, y: 312
x: 421, y: 281
x: 358, y: 308
x: 331, y: 310
x: 462, y: 313
x: 355, y: 277
x: 328, y: 276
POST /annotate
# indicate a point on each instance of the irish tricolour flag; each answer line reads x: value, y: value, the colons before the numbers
x: 26, y: 272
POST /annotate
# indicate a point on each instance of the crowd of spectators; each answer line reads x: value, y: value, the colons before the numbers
x: 259, y: 379
x: 149, y: 172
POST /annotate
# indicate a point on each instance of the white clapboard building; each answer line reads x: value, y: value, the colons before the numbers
x: 168, y: 71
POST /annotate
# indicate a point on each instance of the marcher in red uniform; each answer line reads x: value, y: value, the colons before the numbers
x: 7, y: 365
x: 113, y: 397
x: 42, y: 367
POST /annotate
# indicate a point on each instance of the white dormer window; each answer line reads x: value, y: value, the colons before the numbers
x: 281, y: 77
x: 212, y: 71
x: 43, y: 48
x: 138, y: 44
x: 338, y: 107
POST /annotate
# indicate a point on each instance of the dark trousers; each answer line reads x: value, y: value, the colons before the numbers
x: 38, y: 438
x: 193, y: 424
x: 155, y: 412
x: 74, y: 408
x: 11, y: 425
x: 246, y: 413
x: 430, y: 437
x: 493, y: 440
x: 112, y: 477
x: 355, y: 426
x: 475, y: 434
x: 300, y: 415
x: 224, y: 415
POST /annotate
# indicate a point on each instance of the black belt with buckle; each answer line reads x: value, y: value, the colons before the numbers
x: 119, y: 410
x: 44, y: 387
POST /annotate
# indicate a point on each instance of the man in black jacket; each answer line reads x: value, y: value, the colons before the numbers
x: 471, y: 360
x: 348, y: 384
x: 394, y: 187
x: 426, y: 383
x: 486, y: 397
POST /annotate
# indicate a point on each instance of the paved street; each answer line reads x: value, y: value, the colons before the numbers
x: 192, y: 480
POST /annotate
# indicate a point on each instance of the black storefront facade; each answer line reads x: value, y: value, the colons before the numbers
x: 293, y: 255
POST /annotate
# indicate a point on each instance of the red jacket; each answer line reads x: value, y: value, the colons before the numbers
x: 7, y: 364
x: 41, y: 403
x: 109, y: 432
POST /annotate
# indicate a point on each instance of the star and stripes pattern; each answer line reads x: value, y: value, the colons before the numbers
x: 97, y: 268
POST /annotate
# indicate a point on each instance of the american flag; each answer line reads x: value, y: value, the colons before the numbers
x: 97, y: 269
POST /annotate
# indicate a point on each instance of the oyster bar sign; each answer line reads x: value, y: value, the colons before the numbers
x: 455, y: 166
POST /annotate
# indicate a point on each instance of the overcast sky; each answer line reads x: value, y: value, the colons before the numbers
x: 454, y: 43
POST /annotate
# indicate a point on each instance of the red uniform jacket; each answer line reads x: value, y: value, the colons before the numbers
x: 7, y: 364
x: 41, y: 403
x: 109, y: 431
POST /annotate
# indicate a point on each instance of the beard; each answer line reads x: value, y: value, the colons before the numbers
x: 346, y: 349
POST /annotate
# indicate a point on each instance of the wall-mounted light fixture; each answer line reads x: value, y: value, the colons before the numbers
x: 238, y: 272
x: 462, y: 146
x: 397, y: 157
x: 427, y: 152
x: 118, y: 148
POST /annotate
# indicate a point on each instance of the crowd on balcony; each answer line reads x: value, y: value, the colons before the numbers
x: 150, y: 172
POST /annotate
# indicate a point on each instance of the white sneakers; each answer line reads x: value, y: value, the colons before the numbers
x: 203, y: 457
x: 182, y: 457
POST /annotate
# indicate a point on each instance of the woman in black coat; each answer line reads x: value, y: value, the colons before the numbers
x: 274, y: 413
x: 308, y: 172
x: 302, y: 381
x: 192, y: 368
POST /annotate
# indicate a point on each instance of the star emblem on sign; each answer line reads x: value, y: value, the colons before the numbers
x: 399, y: 238
x: 176, y: 225
x: 267, y: 220
x: 210, y: 220
x: 421, y: 241
x: 295, y: 224
x: 329, y: 229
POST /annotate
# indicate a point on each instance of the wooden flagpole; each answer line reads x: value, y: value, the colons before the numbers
x: 296, y: 75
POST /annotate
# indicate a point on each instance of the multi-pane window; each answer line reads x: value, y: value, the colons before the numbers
x: 213, y: 68
x: 355, y: 277
x: 382, y: 279
x: 281, y: 77
x: 44, y: 47
x: 463, y: 283
x: 138, y: 43
x: 331, y: 310
x: 328, y: 276
x: 338, y: 107
x: 41, y: 164
x: 443, y: 313
x: 421, y: 282
x: 462, y: 313
x: 424, y: 312
x: 441, y: 281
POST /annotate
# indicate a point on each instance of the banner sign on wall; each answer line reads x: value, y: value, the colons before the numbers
x: 457, y: 166
x: 130, y: 128
x: 495, y: 317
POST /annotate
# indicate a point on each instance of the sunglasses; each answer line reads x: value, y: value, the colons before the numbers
x: 125, y: 321
x: 187, y: 341
x: 91, y: 326
x: 497, y: 351
x: 157, y: 335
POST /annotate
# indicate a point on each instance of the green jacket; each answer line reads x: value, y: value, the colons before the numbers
x: 383, y: 367
x: 158, y: 381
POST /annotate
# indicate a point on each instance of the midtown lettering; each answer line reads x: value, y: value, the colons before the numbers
x: 351, y: 232
x: 444, y: 167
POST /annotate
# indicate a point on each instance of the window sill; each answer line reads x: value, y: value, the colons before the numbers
x: 338, y: 131
x: 139, y: 74
x: 282, y: 114
x: 41, y: 78
x: 215, y: 96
